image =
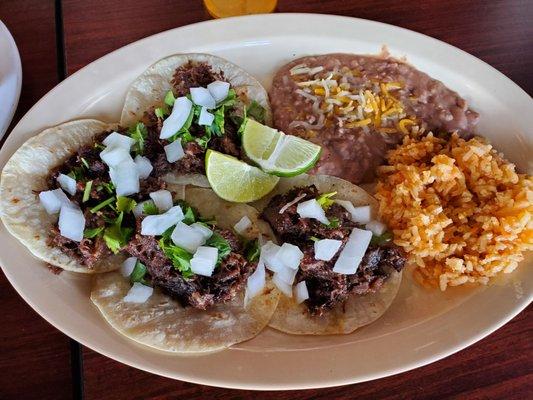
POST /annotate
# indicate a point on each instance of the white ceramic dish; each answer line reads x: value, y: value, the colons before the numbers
x: 10, y: 78
x: 420, y: 327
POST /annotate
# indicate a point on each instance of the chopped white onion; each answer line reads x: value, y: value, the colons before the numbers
x: 204, y: 230
x: 269, y: 253
x: 127, y: 266
x: 115, y: 139
x: 326, y: 249
x: 180, y: 113
x: 162, y: 200
x: 113, y: 156
x: 290, y: 203
x: 202, y: 97
x: 256, y: 282
x: 138, y: 293
x: 67, y: 184
x: 205, y: 118
x: 362, y: 214
x: 52, y: 200
x: 187, y: 237
x: 157, y: 224
x: 125, y: 177
x: 71, y: 222
x: 287, y: 275
x: 144, y: 166
x: 283, y: 287
x: 219, y: 90
x: 290, y: 255
x: 204, y: 260
x: 377, y: 228
x: 300, y: 292
x: 312, y: 209
x: 353, y: 252
x: 243, y: 225
x: 174, y: 151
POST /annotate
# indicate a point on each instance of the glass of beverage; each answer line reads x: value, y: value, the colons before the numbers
x: 230, y: 8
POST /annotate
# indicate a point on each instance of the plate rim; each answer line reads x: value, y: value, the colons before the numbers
x: 328, y: 382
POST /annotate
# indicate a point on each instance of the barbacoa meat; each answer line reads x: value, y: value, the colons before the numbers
x: 198, y: 291
x: 327, y: 288
x: 193, y: 74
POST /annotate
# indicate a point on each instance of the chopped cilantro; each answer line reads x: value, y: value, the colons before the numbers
x: 252, y: 250
x: 161, y: 112
x: 90, y: 233
x: 109, y: 187
x: 256, y: 111
x: 325, y: 200
x: 138, y: 273
x: 87, y: 191
x: 102, y: 204
x: 181, y: 259
x: 333, y: 223
x: 229, y: 100
x: 221, y: 244
x: 149, y: 208
x: 139, y: 134
x: 116, y: 236
x: 169, y: 98
x: 314, y: 238
x: 77, y: 173
x: 85, y: 163
x: 125, y: 204
x: 382, y: 239
x: 189, y: 215
x: 99, y: 146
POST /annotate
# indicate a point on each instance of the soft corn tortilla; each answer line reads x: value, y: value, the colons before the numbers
x: 25, y: 175
x: 149, y: 90
x: 164, y: 324
x: 357, y: 311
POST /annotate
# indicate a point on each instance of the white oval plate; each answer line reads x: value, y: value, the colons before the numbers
x: 10, y: 78
x: 420, y: 327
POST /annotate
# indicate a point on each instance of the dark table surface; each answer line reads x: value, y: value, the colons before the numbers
x: 56, y: 38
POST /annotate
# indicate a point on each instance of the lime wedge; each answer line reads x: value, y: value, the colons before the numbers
x: 277, y: 153
x: 236, y: 181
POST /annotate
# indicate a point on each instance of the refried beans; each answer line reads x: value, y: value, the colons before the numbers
x: 358, y: 107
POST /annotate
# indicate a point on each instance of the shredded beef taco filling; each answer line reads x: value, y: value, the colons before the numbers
x: 326, y: 288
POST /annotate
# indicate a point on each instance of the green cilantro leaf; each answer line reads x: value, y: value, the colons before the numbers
x: 382, y: 239
x: 85, y: 163
x: 138, y: 273
x: 139, y: 134
x: 125, y: 204
x: 325, y: 200
x: 161, y: 112
x: 90, y: 233
x: 116, y: 236
x: 252, y: 250
x: 87, y: 191
x: 229, y: 100
x: 221, y: 244
x: 149, y: 208
x: 333, y: 223
x: 180, y: 258
x: 314, y: 238
x: 169, y: 98
x: 102, y: 204
x: 256, y: 111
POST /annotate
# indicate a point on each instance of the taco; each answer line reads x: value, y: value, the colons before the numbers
x: 188, y: 286
x: 345, y: 270
x: 200, y: 101
x: 69, y: 193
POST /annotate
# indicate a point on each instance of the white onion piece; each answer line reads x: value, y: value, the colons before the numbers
x: 187, y: 238
x: 219, y: 90
x: 353, y: 252
x: 269, y: 252
x: 115, y: 139
x: 205, y: 118
x: 204, y: 260
x: 113, y: 156
x: 290, y: 203
x: 377, y: 228
x: 157, y: 224
x: 162, y: 200
x: 125, y: 177
x: 243, y: 225
x: 362, y: 214
x: 326, y: 249
x: 127, y: 266
x: 312, y: 209
x: 204, y: 230
x: 52, y: 200
x: 290, y: 255
x: 174, y: 151
x: 202, y: 97
x: 180, y: 113
x: 67, y: 184
x: 283, y: 287
x: 256, y: 283
x: 287, y: 275
x: 144, y: 166
x: 138, y: 293
x: 300, y: 292
x: 71, y: 222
